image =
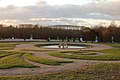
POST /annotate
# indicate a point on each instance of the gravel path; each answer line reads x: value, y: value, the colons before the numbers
x: 77, y: 64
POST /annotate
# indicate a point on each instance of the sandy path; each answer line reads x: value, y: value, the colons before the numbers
x: 77, y: 64
x: 97, y: 47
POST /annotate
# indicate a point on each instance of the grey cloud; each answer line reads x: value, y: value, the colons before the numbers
x: 100, y: 10
x: 109, y: 8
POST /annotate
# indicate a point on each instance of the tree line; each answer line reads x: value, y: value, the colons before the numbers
x: 103, y: 34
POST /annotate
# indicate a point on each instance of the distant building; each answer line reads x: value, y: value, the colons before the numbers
x: 26, y: 25
x: 67, y: 27
x: 73, y: 27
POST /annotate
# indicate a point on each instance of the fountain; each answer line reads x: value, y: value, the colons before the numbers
x: 63, y: 45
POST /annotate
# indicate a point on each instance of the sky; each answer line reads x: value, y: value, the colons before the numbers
x: 60, y: 12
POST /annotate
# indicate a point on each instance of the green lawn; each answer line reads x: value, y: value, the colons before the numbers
x: 6, y: 46
x: 114, y: 45
x: 101, y: 71
x: 14, y: 60
x: 6, y: 53
x: 36, y: 50
x: 46, y: 61
x: 109, y: 54
x: 81, y: 52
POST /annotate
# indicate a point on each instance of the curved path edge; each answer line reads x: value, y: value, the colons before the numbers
x: 77, y: 64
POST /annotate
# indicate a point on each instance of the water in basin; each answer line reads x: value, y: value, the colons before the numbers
x: 69, y: 46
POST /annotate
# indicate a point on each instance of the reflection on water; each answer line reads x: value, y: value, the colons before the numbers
x: 69, y: 46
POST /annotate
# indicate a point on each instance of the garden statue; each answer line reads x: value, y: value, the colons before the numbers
x: 96, y: 39
x: 31, y: 37
x: 63, y: 45
x: 13, y: 38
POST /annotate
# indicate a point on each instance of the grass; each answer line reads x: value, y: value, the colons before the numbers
x: 81, y: 52
x: 5, y: 53
x: 105, y: 71
x: 115, y: 45
x: 109, y: 54
x: 100, y: 71
x: 36, y: 50
x: 7, y: 46
x: 13, y: 61
x: 46, y: 61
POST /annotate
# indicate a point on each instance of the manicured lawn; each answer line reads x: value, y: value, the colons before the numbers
x: 46, y: 61
x: 101, y: 71
x: 109, y: 54
x: 81, y: 52
x: 35, y: 50
x: 6, y: 46
x: 6, y: 53
x: 14, y: 60
x: 112, y: 54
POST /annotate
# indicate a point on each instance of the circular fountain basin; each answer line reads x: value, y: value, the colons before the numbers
x: 69, y: 46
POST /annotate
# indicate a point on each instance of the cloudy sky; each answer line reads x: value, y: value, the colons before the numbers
x: 60, y: 12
